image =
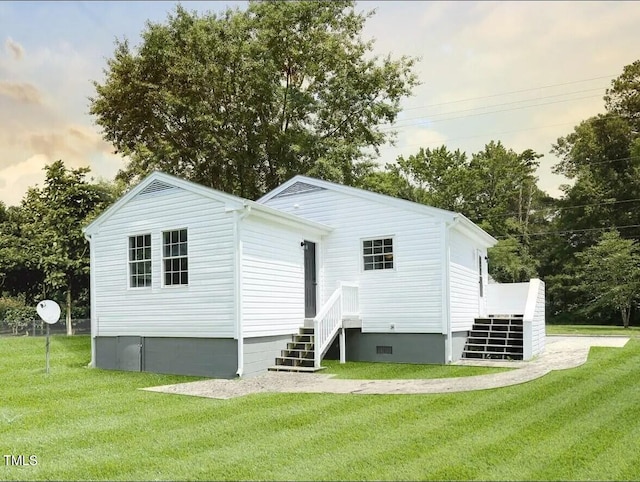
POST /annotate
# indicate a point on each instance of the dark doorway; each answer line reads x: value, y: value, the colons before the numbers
x: 310, y: 280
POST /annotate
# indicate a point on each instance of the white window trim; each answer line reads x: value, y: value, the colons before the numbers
x: 394, y: 252
x: 162, y: 259
x: 128, y: 261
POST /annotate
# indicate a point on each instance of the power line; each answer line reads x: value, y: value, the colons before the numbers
x: 486, y: 113
x: 554, y: 209
x: 504, y: 103
x: 570, y: 231
x: 509, y: 93
x: 607, y: 161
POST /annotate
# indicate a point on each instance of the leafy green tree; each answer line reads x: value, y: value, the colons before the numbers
x: 597, y: 156
x: 53, y: 218
x: 390, y: 182
x: 244, y: 100
x: 496, y: 188
x: 439, y: 176
x: 623, y: 98
x: 19, y: 272
x: 602, y: 159
x: 610, y: 274
x: 511, y: 262
x: 502, y: 189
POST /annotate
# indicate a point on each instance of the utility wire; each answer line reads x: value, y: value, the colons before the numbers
x: 486, y: 113
x: 508, y: 93
x: 569, y: 231
x: 503, y: 104
x: 555, y: 209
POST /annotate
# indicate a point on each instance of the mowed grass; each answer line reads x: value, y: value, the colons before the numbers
x: 577, y: 424
x: 404, y: 371
x: 592, y: 330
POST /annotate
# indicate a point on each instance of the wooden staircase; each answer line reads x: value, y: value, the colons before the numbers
x: 299, y: 354
x: 495, y: 338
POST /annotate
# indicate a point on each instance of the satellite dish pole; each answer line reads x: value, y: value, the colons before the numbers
x: 49, y: 311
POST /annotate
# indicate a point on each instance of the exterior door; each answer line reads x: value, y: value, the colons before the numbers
x: 129, y: 353
x: 481, y: 283
x: 310, y: 280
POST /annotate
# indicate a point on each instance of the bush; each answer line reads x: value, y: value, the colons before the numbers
x: 16, y: 314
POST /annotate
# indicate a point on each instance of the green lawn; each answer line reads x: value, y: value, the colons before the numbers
x: 592, y: 330
x: 81, y: 423
x: 391, y: 371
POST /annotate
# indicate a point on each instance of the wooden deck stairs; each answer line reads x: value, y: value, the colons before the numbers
x: 299, y: 354
x: 495, y: 338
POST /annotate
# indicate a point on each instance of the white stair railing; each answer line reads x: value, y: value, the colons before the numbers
x: 342, y: 302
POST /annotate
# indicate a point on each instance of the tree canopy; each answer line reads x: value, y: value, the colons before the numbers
x: 244, y: 100
x: 43, y: 251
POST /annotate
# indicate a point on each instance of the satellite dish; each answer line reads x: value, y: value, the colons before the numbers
x: 49, y: 311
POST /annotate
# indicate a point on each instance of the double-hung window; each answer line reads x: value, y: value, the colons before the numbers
x: 174, y: 257
x: 140, y: 261
x: 377, y: 253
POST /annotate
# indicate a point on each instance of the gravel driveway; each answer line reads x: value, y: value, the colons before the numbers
x: 561, y: 352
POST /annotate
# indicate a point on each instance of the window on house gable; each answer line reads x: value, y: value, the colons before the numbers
x: 174, y: 257
x: 140, y: 261
x: 377, y: 253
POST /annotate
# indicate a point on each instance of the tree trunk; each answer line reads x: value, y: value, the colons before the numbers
x: 626, y: 314
x: 68, y: 318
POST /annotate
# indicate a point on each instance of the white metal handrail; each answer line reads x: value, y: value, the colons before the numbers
x: 342, y: 302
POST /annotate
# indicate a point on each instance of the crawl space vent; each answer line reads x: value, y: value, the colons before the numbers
x: 299, y: 188
x: 384, y: 350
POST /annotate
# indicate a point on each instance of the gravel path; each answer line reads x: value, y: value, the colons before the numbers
x: 561, y: 352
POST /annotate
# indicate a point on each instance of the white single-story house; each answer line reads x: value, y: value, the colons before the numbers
x: 189, y: 280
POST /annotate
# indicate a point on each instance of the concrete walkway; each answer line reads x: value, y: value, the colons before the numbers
x: 561, y: 352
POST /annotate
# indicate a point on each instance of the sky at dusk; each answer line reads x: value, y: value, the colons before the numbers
x: 524, y: 73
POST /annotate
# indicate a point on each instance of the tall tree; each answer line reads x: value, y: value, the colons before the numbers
x: 610, y: 274
x: 244, y: 100
x: 53, y: 218
x: 602, y: 159
x: 623, y: 98
x: 496, y: 188
x: 19, y: 272
x: 439, y: 175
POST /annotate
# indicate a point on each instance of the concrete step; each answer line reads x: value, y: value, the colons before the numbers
x: 481, y: 355
x: 286, y: 368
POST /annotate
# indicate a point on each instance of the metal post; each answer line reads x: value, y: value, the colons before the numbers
x: 343, y: 351
x: 47, y: 350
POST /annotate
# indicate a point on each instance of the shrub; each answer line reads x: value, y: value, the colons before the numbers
x: 16, y: 314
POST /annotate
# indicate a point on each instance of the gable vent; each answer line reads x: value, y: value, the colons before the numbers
x: 299, y: 188
x: 156, y: 187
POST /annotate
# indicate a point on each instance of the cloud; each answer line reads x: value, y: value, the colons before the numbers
x: 15, y: 179
x: 14, y: 48
x: 23, y: 92
x: 71, y: 142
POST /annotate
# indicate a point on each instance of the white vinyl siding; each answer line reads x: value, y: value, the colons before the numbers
x: 272, y: 278
x: 464, y: 282
x: 408, y: 296
x: 204, y: 307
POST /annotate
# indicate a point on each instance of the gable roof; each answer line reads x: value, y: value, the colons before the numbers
x: 300, y: 184
x: 157, y: 182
